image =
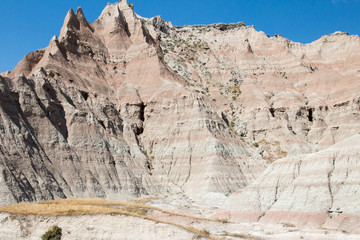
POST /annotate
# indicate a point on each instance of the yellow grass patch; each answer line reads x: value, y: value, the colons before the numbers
x: 143, y: 200
x: 234, y: 89
x: 75, y: 206
x: 46, y: 209
x: 244, y: 236
x: 115, y: 205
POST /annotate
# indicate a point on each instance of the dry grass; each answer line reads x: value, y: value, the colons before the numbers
x: 74, y: 207
x: 244, y: 236
x: 117, y: 204
x: 234, y: 89
x: 135, y: 210
x: 199, y: 233
x: 143, y: 200
x: 223, y: 220
x: 46, y: 209
x: 273, y: 149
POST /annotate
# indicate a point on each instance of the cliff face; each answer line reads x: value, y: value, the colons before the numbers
x: 99, y: 113
x: 127, y: 106
x: 319, y: 189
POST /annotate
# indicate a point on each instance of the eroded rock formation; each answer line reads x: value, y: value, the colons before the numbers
x: 127, y: 106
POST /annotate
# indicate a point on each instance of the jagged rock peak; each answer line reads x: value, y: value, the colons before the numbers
x: 111, y: 13
x: 80, y: 15
x: 74, y: 21
x: 69, y: 22
x: 110, y: 9
x: 82, y: 19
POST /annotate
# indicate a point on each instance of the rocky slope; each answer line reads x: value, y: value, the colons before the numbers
x: 98, y: 113
x: 319, y: 189
x: 127, y: 106
x: 285, y: 97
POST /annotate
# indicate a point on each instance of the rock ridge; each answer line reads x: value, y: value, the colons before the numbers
x: 127, y: 106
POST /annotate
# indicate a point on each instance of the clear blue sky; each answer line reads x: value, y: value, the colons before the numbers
x: 27, y: 25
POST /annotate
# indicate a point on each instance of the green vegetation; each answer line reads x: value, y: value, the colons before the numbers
x: 54, y: 233
x: 205, y: 232
x: 83, y: 114
x: 289, y: 225
x: 223, y: 220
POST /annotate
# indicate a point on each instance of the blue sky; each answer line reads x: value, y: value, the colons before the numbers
x: 27, y: 25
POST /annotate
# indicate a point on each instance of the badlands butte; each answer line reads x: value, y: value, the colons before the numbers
x: 219, y: 121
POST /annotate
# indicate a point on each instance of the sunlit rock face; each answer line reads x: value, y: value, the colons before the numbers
x: 128, y: 106
x: 319, y: 189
